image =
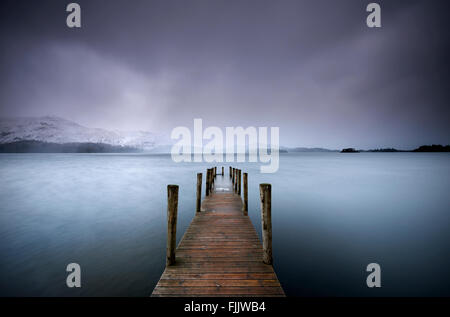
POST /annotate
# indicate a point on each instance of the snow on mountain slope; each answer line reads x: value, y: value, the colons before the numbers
x: 59, y: 130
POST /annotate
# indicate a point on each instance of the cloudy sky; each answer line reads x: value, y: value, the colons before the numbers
x: 312, y: 68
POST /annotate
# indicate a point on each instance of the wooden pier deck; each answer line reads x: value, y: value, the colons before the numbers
x: 220, y: 254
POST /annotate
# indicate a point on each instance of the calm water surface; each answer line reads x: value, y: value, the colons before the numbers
x: 332, y: 215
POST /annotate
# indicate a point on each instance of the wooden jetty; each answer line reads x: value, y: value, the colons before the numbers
x: 220, y: 254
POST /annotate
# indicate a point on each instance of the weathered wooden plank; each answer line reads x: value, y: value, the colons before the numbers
x: 212, y: 269
x: 190, y: 253
x: 223, y: 276
x: 217, y: 283
x: 218, y: 245
x: 230, y: 290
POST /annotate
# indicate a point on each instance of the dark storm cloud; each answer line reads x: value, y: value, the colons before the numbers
x: 311, y: 67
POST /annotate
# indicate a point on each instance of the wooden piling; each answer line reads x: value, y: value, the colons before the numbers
x: 231, y: 170
x: 215, y: 171
x: 172, y: 211
x: 266, y: 220
x: 245, y: 206
x: 199, y: 192
x: 239, y: 182
x: 232, y: 180
x: 207, y: 180
x: 223, y: 173
x: 210, y: 179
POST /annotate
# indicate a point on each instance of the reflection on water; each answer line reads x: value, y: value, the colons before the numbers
x: 332, y: 215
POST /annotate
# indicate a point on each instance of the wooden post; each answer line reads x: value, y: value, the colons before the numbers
x: 266, y: 219
x: 172, y: 210
x: 232, y: 180
x: 231, y: 169
x: 223, y: 173
x: 239, y: 182
x: 245, y: 207
x: 207, y: 187
x: 235, y: 180
x: 211, y: 179
x: 199, y: 192
x: 211, y: 183
x: 215, y: 171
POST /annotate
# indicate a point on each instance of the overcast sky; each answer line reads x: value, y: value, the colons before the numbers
x: 312, y: 68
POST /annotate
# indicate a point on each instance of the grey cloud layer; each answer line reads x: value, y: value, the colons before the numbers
x: 311, y: 67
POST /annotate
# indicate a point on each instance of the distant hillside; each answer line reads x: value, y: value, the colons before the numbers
x: 384, y: 150
x: 46, y: 147
x: 423, y: 148
x: 433, y: 148
x: 306, y: 149
x: 58, y: 130
x: 349, y: 150
x: 50, y: 131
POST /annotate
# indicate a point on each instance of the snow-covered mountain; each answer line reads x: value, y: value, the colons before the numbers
x: 59, y: 130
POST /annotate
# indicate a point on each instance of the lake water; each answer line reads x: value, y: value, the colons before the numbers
x: 332, y: 215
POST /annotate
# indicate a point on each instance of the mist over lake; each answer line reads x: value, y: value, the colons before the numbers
x: 332, y: 215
